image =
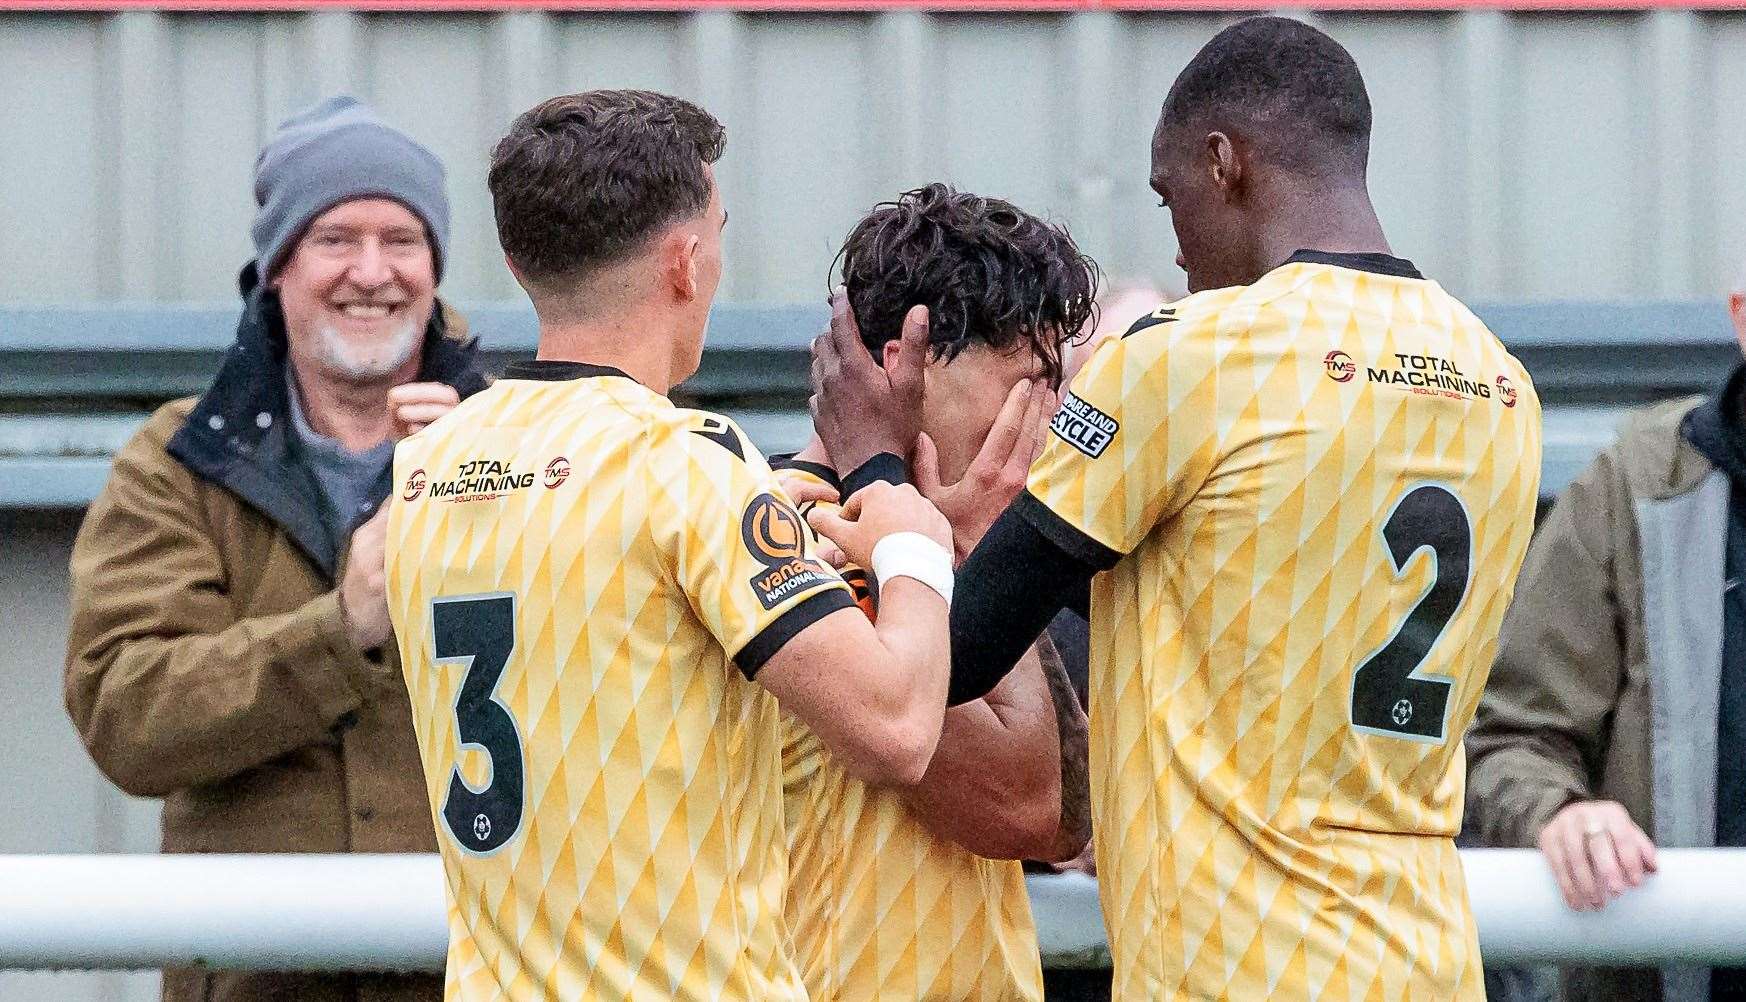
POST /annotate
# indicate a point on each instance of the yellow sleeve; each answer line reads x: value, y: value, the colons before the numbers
x: 1135, y: 438
x: 733, y: 543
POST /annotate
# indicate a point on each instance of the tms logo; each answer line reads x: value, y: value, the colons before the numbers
x: 1340, y: 366
x: 414, y: 486
x: 1506, y: 391
x: 557, y: 471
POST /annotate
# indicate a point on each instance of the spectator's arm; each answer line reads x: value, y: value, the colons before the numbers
x: 166, y: 685
x: 1007, y: 780
x: 1542, y: 726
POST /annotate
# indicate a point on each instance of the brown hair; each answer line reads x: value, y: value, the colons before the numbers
x: 986, y: 270
x: 586, y: 179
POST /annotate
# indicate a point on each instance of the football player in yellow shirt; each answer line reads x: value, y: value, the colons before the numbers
x: 891, y: 896
x: 597, y: 593
x: 1296, y: 503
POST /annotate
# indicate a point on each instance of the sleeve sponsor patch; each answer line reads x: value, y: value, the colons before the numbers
x: 774, y: 535
x: 1083, y: 426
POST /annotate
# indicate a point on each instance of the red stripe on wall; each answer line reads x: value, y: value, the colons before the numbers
x: 801, y: 6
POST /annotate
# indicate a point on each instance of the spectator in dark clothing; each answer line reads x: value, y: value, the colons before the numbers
x: 228, y: 647
x: 1615, y: 718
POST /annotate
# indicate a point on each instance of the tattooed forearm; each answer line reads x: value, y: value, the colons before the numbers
x: 1070, y: 722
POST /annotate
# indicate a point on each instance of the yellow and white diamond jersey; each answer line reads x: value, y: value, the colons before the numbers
x: 882, y: 910
x: 578, y: 572
x: 1320, y: 488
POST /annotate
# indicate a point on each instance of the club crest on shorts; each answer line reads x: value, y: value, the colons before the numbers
x: 1083, y: 426
x: 774, y: 536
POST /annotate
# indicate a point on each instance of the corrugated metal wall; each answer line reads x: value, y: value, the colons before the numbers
x: 55, y: 798
x: 1517, y: 156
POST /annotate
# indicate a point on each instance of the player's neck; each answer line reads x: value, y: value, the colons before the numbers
x: 1340, y: 221
x: 633, y: 345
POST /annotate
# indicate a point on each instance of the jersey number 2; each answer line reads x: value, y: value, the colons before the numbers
x: 479, y: 632
x: 1389, y: 695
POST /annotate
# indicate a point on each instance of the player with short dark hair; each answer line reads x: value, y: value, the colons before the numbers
x: 1296, y: 503
x: 565, y: 206
x: 596, y: 593
x: 1262, y: 142
x: 1297, y: 91
x: 999, y: 292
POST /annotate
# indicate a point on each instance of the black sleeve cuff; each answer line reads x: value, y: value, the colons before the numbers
x: 887, y: 466
x: 788, y: 462
x: 1064, y: 535
x: 787, y: 626
x: 1010, y: 586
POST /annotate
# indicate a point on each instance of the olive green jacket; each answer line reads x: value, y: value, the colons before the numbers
x: 207, y: 662
x: 1607, y: 680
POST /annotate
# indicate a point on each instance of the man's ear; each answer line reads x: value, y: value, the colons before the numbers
x: 1223, y: 164
x: 1737, y: 313
x: 679, y: 252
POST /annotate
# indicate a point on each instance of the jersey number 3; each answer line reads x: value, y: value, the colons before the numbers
x: 478, y: 631
x: 1390, y: 696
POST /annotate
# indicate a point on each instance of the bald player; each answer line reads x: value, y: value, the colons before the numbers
x: 1296, y: 503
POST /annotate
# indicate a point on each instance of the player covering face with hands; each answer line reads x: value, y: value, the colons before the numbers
x: 891, y: 894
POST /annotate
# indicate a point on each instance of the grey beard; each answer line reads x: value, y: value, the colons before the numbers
x: 365, y: 362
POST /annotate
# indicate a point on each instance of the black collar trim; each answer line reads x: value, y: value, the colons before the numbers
x: 786, y: 461
x: 554, y: 371
x: 1717, y: 429
x: 1381, y: 264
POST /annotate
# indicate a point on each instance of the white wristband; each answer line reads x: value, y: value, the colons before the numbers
x: 913, y: 555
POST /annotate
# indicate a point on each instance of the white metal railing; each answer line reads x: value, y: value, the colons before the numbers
x: 366, y: 912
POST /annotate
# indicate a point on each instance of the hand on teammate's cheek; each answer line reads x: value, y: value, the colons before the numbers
x: 858, y: 409
x: 1596, y: 853
x: 998, y: 472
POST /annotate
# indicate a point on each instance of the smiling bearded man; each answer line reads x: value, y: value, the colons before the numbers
x: 227, y: 642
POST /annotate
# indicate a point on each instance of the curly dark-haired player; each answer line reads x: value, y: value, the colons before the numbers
x: 1297, y: 502
x: 890, y: 896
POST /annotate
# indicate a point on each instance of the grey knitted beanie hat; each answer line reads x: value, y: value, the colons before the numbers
x: 333, y: 152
